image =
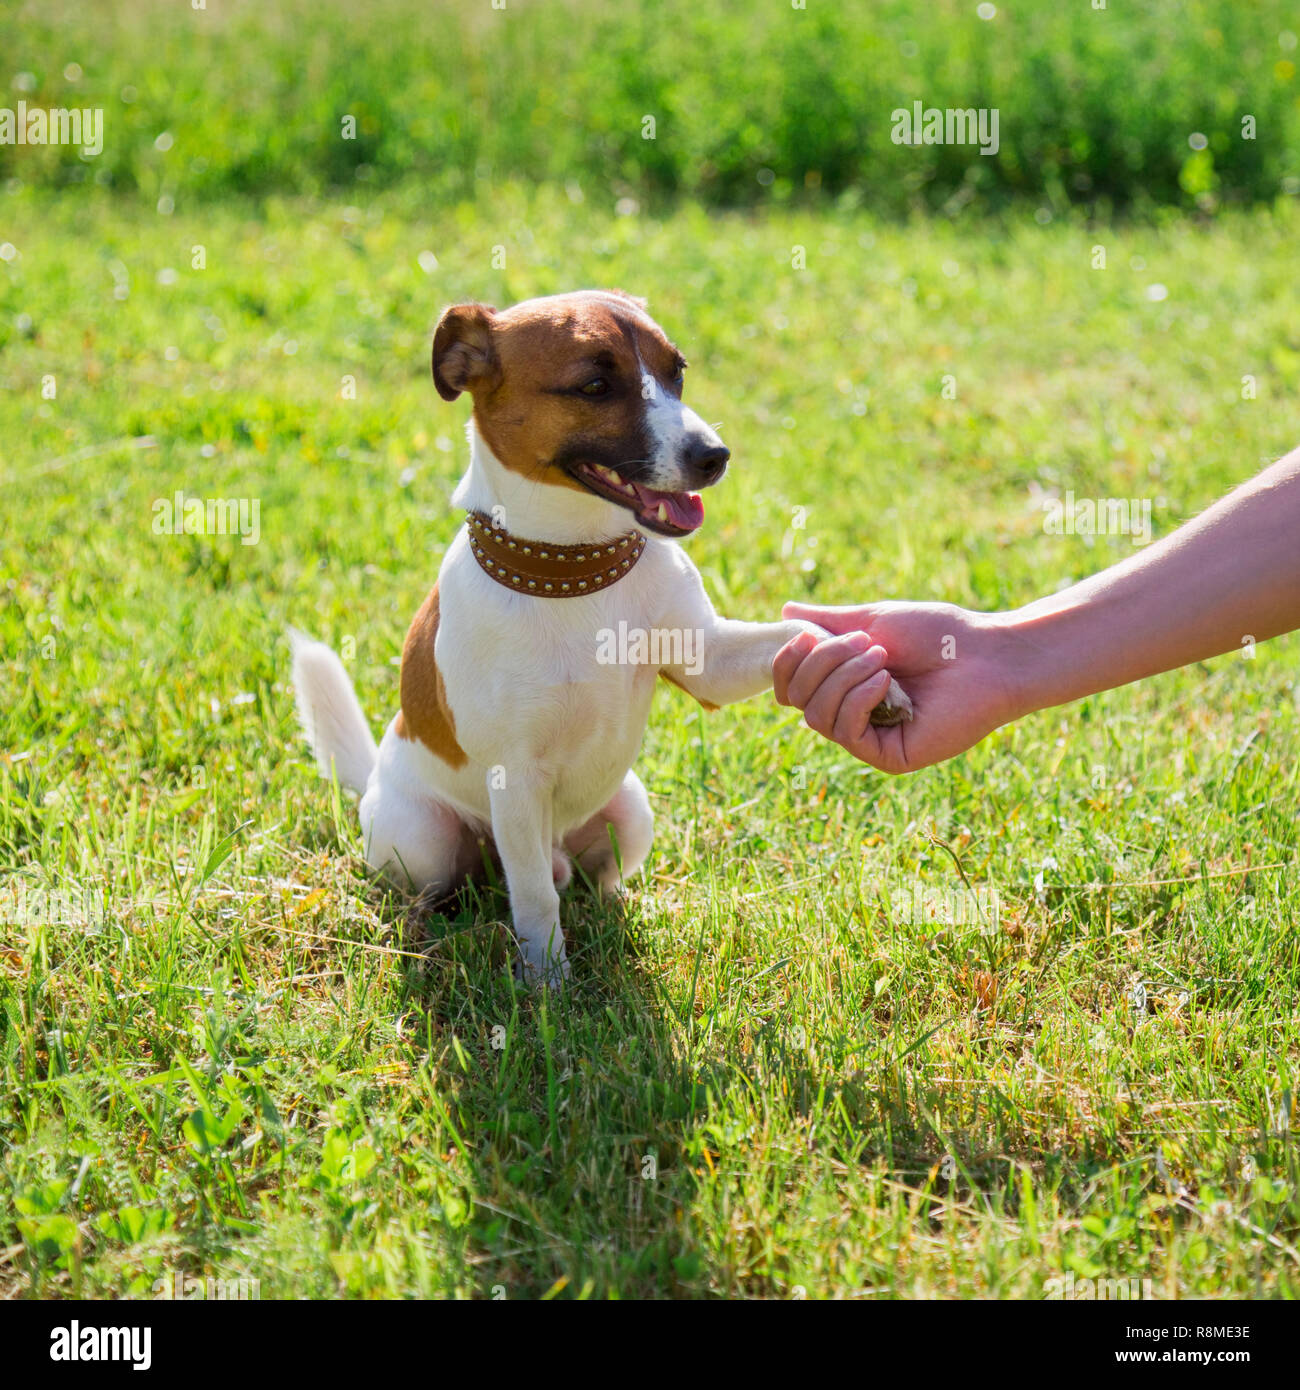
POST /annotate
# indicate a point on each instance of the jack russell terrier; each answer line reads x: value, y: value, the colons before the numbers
x: 516, y: 726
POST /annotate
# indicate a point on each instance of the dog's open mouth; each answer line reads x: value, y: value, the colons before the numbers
x: 668, y: 513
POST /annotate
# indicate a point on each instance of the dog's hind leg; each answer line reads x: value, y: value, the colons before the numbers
x: 608, y: 860
x: 419, y: 842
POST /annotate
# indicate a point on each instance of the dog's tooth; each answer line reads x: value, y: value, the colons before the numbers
x: 662, y: 513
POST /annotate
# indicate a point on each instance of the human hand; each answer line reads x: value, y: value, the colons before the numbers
x: 959, y: 668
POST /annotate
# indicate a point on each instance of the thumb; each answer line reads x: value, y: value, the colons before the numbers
x: 835, y: 620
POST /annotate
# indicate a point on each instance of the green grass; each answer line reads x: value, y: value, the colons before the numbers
x: 732, y: 104
x: 246, y: 1064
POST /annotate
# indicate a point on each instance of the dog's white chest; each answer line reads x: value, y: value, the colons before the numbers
x: 548, y: 689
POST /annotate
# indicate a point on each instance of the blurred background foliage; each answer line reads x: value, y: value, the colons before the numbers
x: 751, y: 103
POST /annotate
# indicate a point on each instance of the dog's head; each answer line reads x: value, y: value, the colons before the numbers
x: 584, y: 391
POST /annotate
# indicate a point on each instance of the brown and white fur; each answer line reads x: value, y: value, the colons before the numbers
x: 510, y: 729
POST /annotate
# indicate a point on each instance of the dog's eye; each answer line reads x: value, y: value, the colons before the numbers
x: 597, y: 387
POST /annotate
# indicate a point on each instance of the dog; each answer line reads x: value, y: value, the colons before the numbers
x: 519, y: 720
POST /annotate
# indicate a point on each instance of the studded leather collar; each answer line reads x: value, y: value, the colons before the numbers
x: 546, y: 570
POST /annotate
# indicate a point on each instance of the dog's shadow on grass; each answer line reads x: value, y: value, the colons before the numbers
x: 596, y: 1118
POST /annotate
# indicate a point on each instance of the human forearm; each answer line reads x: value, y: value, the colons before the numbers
x: 1231, y: 574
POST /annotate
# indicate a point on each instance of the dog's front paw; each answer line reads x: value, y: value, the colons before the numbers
x: 542, y: 959
x: 798, y: 625
x: 895, y: 708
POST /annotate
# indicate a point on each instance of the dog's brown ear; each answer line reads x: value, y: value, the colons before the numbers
x: 464, y: 357
x: 631, y: 298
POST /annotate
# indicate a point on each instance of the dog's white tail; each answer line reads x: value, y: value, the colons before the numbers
x: 330, y: 713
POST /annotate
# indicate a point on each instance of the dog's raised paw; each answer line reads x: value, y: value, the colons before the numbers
x: 895, y: 708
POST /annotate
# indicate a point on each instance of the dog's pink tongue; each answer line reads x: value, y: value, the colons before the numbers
x: 683, y: 510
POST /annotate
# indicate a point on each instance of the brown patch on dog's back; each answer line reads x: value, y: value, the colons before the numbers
x: 425, y: 714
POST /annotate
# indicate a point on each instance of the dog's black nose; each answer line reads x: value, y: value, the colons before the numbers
x: 707, y: 462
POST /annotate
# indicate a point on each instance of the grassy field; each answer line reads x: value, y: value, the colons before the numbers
x: 223, y: 1051
x: 756, y: 104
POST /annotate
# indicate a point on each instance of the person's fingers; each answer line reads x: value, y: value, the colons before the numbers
x: 786, y: 663
x: 870, y: 748
x: 853, y: 718
x: 882, y: 749
x: 836, y: 620
x: 822, y: 710
x: 825, y: 658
